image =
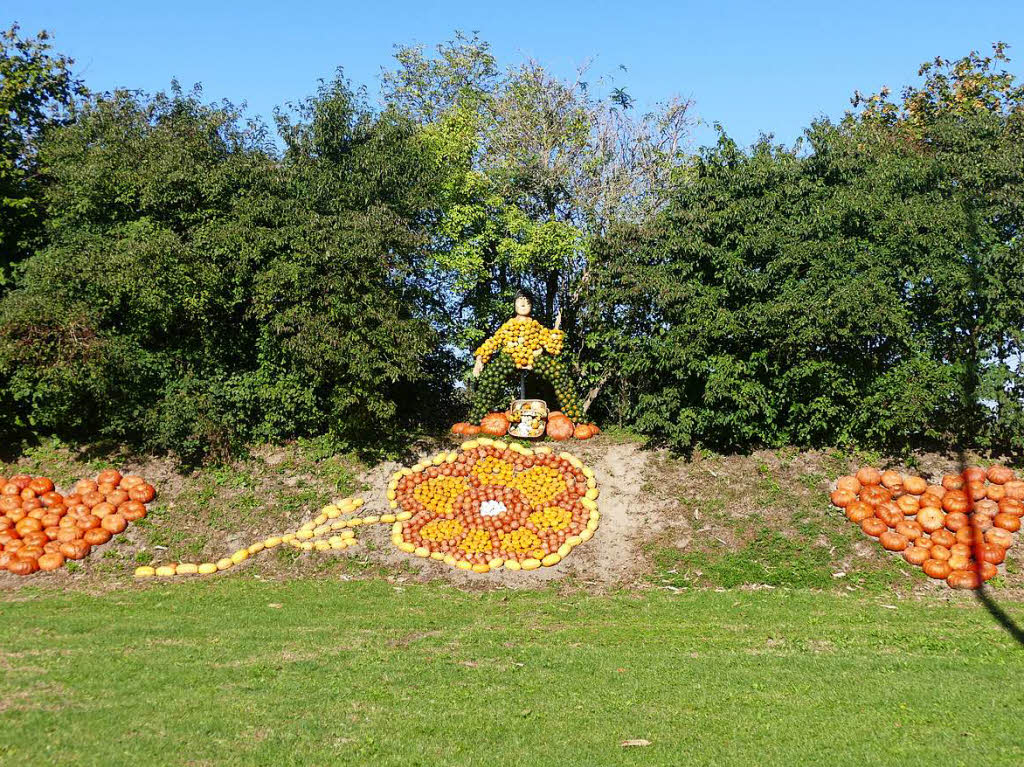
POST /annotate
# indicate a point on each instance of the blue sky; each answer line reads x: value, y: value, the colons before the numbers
x: 753, y: 66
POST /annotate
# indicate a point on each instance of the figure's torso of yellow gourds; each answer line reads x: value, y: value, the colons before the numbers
x: 521, y: 339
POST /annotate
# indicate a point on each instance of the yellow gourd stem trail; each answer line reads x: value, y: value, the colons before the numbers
x: 318, y: 534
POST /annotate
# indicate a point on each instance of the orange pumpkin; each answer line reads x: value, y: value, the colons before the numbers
x: 858, y: 511
x: 560, y: 428
x: 982, y: 521
x: 114, y: 523
x: 842, y: 498
x: 893, y: 480
x: 976, y: 489
x: 889, y: 513
x: 909, y: 504
x: 1007, y: 522
x: 953, y: 482
x: 931, y: 519
x: 852, y: 484
x: 875, y: 495
x: 975, y: 474
x: 1011, y: 506
x: 1015, y: 489
x: 943, y: 537
x: 893, y: 541
x: 986, y: 507
x: 993, y: 554
x: 96, y: 536
x: 968, y: 535
x: 869, y: 476
x: 109, y: 476
x: 494, y: 424
x: 1000, y: 475
x: 52, y: 561
x: 935, y: 568
x: 956, y: 500
x: 997, y: 536
x: 22, y: 566
x: 915, y: 485
x: 873, y: 526
x: 915, y: 555
x: 76, y: 549
x: 963, y: 579
x: 145, y: 493
x: 583, y: 431
x: 911, y: 529
x: 132, y: 511
x: 955, y: 520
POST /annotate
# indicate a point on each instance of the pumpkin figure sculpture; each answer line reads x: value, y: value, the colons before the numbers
x: 522, y: 343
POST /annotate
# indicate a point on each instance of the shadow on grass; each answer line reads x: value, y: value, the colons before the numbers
x: 982, y: 593
x: 1000, y: 615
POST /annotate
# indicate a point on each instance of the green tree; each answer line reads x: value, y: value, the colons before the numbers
x: 534, y: 168
x: 198, y: 292
x: 966, y: 121
x: 863, y: 286
x: 37, y: 90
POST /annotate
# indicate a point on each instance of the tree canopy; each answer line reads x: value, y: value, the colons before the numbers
x: 198, y: 293
x: 37, y: 89
x: 179, y: 278
x: 863, y: 286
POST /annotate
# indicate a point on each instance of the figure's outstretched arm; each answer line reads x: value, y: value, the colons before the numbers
x: 490, y: 346
x: 552, y: 342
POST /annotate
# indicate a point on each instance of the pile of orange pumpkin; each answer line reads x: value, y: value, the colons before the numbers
x: 958, y: 531
x: 41, y: 529
x: 559, y: 427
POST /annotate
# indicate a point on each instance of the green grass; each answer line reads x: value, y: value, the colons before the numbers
x: 250, y: 495
x: 787, y: 542
x: 233, y: 671
x: 619, y: 435
x: 772, y: 559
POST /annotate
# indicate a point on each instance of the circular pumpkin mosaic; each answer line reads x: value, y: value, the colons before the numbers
x: 493, y: 504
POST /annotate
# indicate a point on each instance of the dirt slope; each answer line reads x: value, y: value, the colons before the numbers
x: 745, y: 521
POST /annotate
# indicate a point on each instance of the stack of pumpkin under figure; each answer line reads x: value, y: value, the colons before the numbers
x: 559, y: 427
x: 957, y: 531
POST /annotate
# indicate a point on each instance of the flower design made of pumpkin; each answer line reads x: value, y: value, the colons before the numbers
x: 491, y: 505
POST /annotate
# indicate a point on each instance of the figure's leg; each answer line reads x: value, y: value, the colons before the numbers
x: 550, y: 369
x: 490, y: 386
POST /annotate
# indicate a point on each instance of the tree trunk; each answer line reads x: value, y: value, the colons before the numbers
x: 550, y: 290
x: 592, y: 394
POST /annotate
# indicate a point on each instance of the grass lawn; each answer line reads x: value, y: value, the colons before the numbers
x: 233, y: 670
